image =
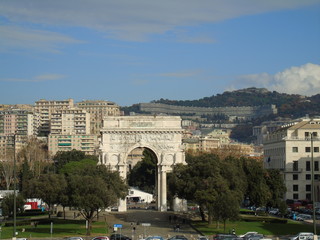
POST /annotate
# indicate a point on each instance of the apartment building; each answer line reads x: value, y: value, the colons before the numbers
x: 98, y: 109
x: 45, y: 108
x: 15, y: 127
x: 70, y: 121
x: 87, y: 143
x: 70, y: 129
x: 261, y: 132
x: 201, y: 143
x: 292, y: 149
x: 16, y: 121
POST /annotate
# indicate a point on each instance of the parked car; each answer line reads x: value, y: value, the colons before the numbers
x: 154, y: 238
x: 302, y: 236
x: 225, y: 237
x: 274, y: 211
x: 247, y: 233
x: 100, y: 238
x: 117, y: 236
x: 303, y: 217
x: 253, y: 236
x: 256, y: 236
x: 178, y: 237
x: 202, y: 238
x: 74, y: 238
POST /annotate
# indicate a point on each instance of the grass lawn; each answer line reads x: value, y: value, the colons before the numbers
x: 61, y: 228
x: 277, y: 229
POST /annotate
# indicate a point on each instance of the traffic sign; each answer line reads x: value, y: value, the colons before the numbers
x: 117, y: 225
x: 146, y: 224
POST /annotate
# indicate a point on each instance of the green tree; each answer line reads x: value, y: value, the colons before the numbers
x: 7, y: 204
x: 257, y: 189
x: 25, y: 175
x: 226, y: 207
x: 275, y: 182
x: 82, y: 167
x: 62, y: 158
x: 98, y: 192
x: 48, y: 187
x: 200, y: 181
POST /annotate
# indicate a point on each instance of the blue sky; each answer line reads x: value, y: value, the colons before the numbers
x: 132, y: 51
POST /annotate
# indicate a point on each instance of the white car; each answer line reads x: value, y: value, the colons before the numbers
x: 303, y: 236
x: 247, y: 233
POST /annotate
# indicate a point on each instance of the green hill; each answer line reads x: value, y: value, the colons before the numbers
x: 289, y: 105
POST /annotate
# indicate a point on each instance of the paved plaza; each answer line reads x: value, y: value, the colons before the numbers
x: 138, y: 224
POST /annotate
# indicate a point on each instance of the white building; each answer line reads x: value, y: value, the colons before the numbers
x: 136, y: 195
x: 291, y: 149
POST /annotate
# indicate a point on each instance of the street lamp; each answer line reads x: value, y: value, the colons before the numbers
x: 14, y: 189
x: 313, y: 190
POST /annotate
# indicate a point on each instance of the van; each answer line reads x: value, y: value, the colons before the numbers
x: 303, y: 236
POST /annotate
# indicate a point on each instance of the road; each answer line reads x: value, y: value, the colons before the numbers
x: 140, y: 223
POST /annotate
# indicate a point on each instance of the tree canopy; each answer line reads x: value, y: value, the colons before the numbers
x: 219, y: 185
x: 79, y: 183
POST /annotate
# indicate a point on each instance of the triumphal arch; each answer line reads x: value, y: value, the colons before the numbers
x: 160, y: 134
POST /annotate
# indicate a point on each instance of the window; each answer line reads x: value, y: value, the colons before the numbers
x: 306, y: 134
x: 295, y: 196
x: 294, y: 149
x: 308, y: 166
x: 295, y: 188
x: 308, y: 196
x: 316, y: 165
x: 308, y: 149
x: 308, y: 187
x: 308, y: 176
x: 295, y: 165
x: 295, y: 177
x: 316, y: 149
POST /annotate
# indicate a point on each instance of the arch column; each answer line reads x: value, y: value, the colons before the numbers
x: 163, y: 189
x: 122, y: 206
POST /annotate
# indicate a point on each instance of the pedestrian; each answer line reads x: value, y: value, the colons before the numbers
x: 178, y: 227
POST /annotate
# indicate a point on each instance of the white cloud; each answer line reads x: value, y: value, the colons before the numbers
x: 137, y: 20
x: 304, y: 80
x: 39, y: 78
x: 14, y: 37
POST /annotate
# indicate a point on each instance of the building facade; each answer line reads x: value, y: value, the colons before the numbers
x: 16, y: 121
x: 44, y: 108
x: 70, y: 121
x: 292, y: 149
x: 70, y: 129
x: 98, y: 109
x: 87, y: 143
x: 16, y: 126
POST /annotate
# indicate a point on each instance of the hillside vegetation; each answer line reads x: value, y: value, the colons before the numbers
x: 289, y: 105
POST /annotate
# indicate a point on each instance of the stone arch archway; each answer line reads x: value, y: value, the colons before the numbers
x: 161, y: 134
